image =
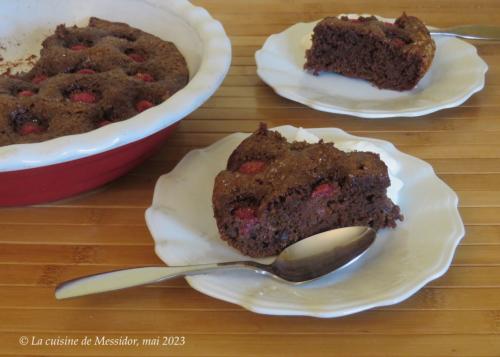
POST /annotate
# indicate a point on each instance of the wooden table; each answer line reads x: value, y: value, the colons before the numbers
x: 458, y: 314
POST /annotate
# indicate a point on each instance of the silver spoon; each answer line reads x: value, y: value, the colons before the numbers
x: 471, y: 32
x: 305, y: 260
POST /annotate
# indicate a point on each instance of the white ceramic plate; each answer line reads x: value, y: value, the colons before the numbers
x: 199, y: 37
x: 456, y: 73
x: 399, y: 263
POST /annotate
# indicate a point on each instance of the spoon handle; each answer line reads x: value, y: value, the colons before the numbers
x: 127, y: 278
x: 472, y: 32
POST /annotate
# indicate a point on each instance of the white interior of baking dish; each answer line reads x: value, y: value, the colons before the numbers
x: 199, y: 37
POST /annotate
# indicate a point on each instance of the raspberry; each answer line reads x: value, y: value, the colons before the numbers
x: 146, y: 77
x: 30, y: 128
x: 136, y: 57
x: 248, y: 219
x: 86, y: 71
x: 398, y: 42
x: 252, y: 167
x: 324, y: 190
x: 25, y: 122
x: 25, y: 93
x: 245, y: 213
x: 39, y: 78
x: 143, y: 105
x: 78, y: 47
x: 82, y: 97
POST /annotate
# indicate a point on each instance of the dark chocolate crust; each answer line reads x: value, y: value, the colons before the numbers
x: 115, y: 79
x: 391, y: 56
x: 298, y: 190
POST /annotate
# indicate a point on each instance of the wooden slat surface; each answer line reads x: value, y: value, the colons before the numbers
x: 457, y: 314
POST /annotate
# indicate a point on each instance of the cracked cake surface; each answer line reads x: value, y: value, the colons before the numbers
x: 390, y: 55
x: 274, y: 193
x: 86, y: 78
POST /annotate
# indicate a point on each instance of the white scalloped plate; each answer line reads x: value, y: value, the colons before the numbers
x: 456, y: 73
x: 199, y: 37
x: 400, y: 262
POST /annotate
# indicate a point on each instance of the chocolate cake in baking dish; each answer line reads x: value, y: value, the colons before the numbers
x: 86, y: 78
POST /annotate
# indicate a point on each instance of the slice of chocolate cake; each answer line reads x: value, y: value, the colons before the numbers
x: 275, y: 193
x: 391, y: 56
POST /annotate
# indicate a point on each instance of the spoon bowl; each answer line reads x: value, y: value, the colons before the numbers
x: 303, y: 261
x: 322, y: 253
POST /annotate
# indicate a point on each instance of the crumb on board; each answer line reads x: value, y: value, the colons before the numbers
x: 6, y: 68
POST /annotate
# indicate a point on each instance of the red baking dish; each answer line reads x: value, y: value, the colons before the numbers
x: 54, y: 182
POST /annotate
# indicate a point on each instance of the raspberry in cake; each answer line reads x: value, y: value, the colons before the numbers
x: 274, y: 193
x: 390, y: 55
x: 87, y: 78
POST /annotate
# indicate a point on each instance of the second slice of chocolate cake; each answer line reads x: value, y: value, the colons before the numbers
x: 392, y: 56
x: 274, y: 193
